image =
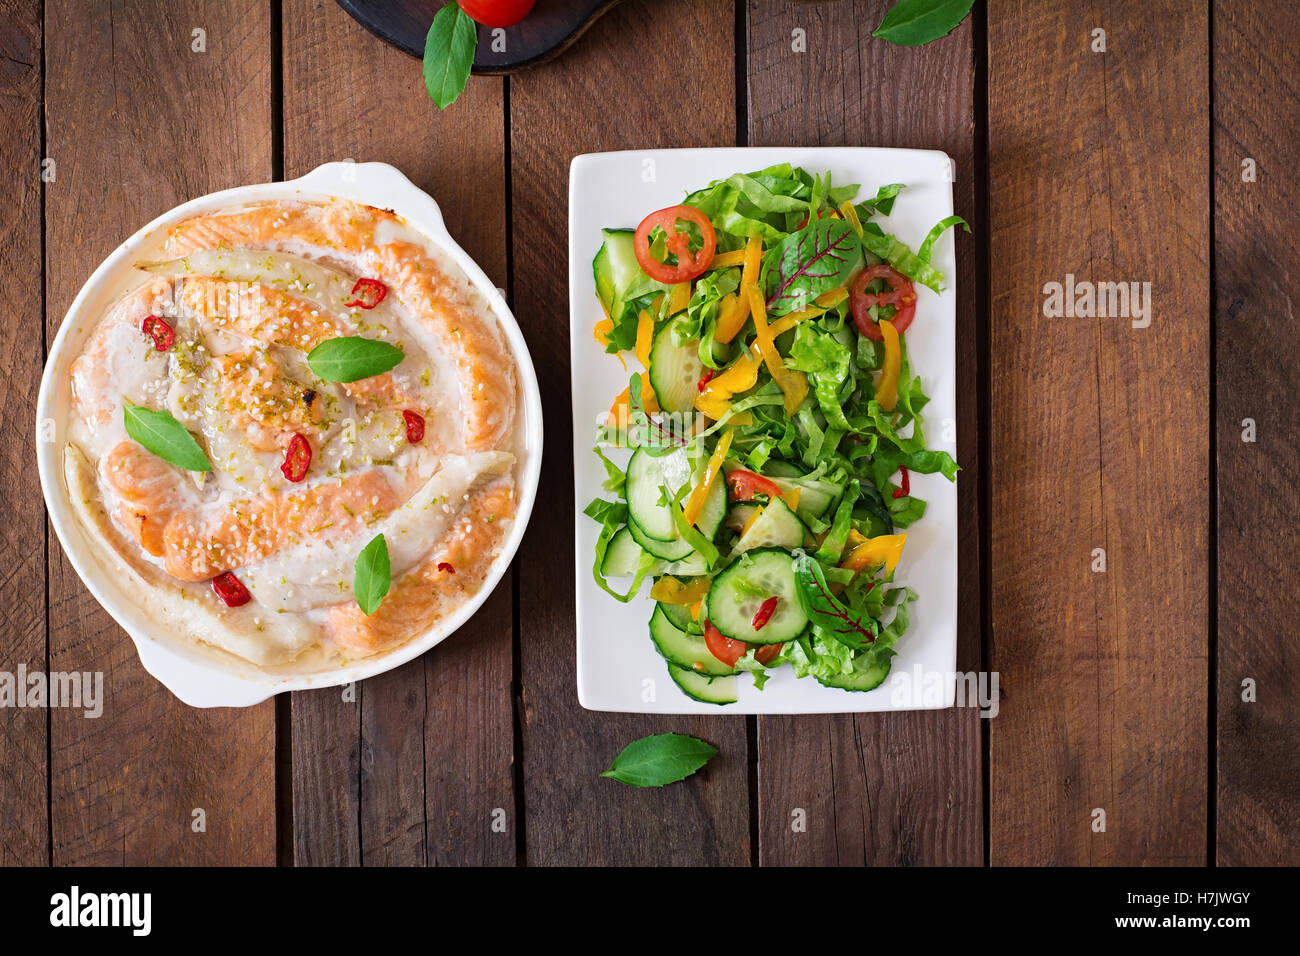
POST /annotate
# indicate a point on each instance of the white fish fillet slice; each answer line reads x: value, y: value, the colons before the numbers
x: 320, y: 573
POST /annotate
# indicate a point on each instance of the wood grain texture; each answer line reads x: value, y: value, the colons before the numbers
x: 598, y: 97
x: 411, y: 770
x: 900, y: 788
x: 1099, y: 168
x: 138, y: 123
x: 24, y: 835
x: 1257, y: 367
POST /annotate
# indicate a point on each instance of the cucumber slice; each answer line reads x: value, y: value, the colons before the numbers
x: 775, y: 469
x: 776, y: 527
x: 701, y: 687
x: 623, y: 555
x: 653, y: 523
x: 674, y: 550
x: 679, y: 615
x: 619, y: 277
x: 675, y: 371
x: 687, y: 651
x: 740, y: 590
x: 646, y: 476
x: 738, y: 515
x: 864, y: 678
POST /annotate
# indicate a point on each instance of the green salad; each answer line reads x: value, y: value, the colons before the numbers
x: 773, y: 430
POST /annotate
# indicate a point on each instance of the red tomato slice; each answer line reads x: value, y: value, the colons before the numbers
x: 497, y: 13
x: 901, y: 295
x: 728, y: 651
x: 723, y: 648
x: 678, y: 243
x: 745, y: 485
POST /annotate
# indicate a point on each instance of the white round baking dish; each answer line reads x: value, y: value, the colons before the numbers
x: 203, y: 676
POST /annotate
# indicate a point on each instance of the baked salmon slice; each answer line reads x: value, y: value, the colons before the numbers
x: 422, y: 597
x: 151, y: 491
x: 483, y: 365
x: 200, y: 543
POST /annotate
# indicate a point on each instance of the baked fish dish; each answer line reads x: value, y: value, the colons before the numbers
x: 294, y: 437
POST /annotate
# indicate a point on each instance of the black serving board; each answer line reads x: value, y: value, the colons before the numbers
x: 545, y: 32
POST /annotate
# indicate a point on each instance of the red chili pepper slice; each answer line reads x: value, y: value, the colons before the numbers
x: 369, y: 293
x: 901, y: 295
x: 297, y: 459
x: 230, y: 589
x: 444, y: 566
x: 158, y: 330
x: 414, y: 427
x: 704, y: 379
x: 906, y: 490
x: 764, y: 614
x: 689, y: 265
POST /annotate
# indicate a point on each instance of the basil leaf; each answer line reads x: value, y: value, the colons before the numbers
x: 163, y: 435
x: 373, y: 575
x: 352, y: 358
x: 660, y: 759
x: 915, y: 22
x: 449, y: 54
x: 853, y: 629
x: 819, y: 257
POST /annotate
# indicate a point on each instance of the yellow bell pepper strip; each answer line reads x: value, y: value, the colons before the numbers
x: 731, y: 317
x: 740, y: 375
x: 887, y: 389
x: 601, y: 334
x: 695, y: 609
x: 731, y: 322
x: 671, y: 591
x: 824, y: 302
x: 680, y: 298
x: 696, y: 503
x: 851, y: 216
x: 750, y: 523
x: 725, y: 260
x: 793, y: 384
x: 885, y: 550
x: 645, y: 333
x: 855, y: 538
x: 621, y: 411
x: 791, y: 497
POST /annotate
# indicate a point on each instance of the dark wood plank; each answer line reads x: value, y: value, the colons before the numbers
x: 1099, y: 168
x: 24, y: 838
x: 1257, y: 366
x: 138, y: 123
x: 599, y: 96
x: 412, y: 770
x: 900, y: 788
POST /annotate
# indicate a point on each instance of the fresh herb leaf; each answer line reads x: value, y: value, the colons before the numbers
x: 916, y: 22
x: 819, y: 257
x: 851, y: 628
x: 163, y: 435
x: 449, y: 54
x: 373, y: 575
x: 352, y: 358
x: 660, y: 759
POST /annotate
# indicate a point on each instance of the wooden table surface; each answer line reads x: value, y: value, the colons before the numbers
x: 1163, y: 690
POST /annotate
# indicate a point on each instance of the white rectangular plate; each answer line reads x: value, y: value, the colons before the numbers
x: 618, y: 667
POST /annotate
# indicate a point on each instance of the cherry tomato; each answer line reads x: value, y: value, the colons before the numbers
x: 678, y: 243
x: 723, y: 648
x: 728, y: 651
x: 497, y: 13
x: 745, y: 485
x: 901, y: 295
